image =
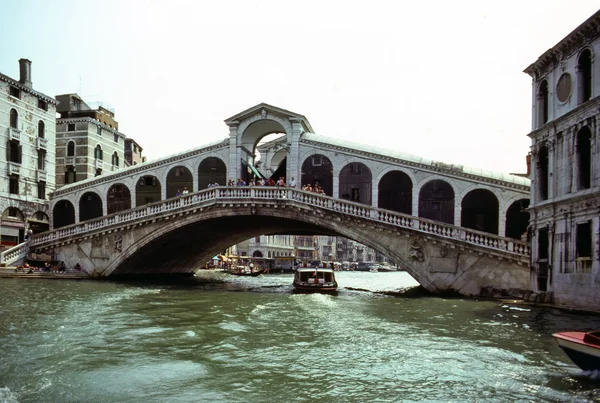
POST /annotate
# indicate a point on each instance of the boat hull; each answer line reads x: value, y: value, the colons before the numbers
x: 314, y: 288
x: 585, y: 355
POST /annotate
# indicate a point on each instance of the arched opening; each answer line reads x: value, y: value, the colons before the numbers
x: 71, y: 149
x: 318, y: 169
x: 41, y: 129
x: 262, y: 132
x: 14, y: 119
x: 12, y: 229
x: 98, y: 152
x: 63, y: 214
x: 542, y: 99
x: 257, y: 253
x: 90, y: 206
x: 436, y: 201
x: 147, y: 190
x: 211, y: 170
x: 517, y: 220
x: 115, y: 160
x: 118, y: 198
x: 39, y: 222
x: 355, y: 183
x: 542, y: 173
x: 395, y: 192
x: 584, y: 76
x: 480, y: 211
x: 179, y: 179
x: 584, y: 157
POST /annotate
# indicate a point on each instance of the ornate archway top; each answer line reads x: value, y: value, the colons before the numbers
x: 265, y: 110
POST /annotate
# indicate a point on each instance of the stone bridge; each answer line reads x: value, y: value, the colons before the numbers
x: 180, y: 234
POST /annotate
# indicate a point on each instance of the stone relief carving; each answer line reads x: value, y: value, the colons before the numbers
x: 416, y: 252
x: 119, y: 243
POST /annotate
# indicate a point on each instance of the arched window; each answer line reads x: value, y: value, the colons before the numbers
x: 41, y: 129
x: 542, y: 174
x: 115, y: 159
x: 542, y: 102
x: 14, y: 119
x: 98, y: 152
x: 584, y: 76
x: 71, y: 149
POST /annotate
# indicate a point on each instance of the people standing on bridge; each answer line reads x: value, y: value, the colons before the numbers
x: 178, y: 193
x: 185, y: 191
x: 292, y: 183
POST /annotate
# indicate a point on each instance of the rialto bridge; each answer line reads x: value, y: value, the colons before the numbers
x: 452, y: 227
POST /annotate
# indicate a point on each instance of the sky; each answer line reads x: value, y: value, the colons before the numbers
x: 438, y: 79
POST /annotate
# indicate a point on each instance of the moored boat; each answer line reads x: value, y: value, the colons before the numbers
x: 583, y: 348
x: 246, y: 271
x: 315, y: 280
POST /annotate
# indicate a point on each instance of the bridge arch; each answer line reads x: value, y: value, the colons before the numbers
x: 517, y: 219
x: 177, y: 179
x: 90, y: 206
x: 211, y: 170
x: 63, y: 214
x: 395, y: 191
x: 317, y: 168
x: 480, y: 210
x: 148, y: 189
x: 118, y: 198
x: 39, y: 222
x: 436, y: 201
x: 356, y: 183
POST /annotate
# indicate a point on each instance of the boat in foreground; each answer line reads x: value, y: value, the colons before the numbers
x: 583, y: 348
x: 315, y: 280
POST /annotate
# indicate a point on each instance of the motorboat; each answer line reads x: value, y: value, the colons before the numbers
x: 315, y: 279
x: 245, y: 271
x: 583, y: 348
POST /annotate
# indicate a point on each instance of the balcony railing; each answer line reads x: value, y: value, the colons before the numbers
x: 14, y: 168
x: 583, y: 265
x: 69, y: 160
x: 99, y: 164
x: 41, y: 175
x: 42, y: 144
x: 14, y: 134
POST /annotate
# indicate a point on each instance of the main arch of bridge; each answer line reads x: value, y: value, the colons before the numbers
x: 345, y: 172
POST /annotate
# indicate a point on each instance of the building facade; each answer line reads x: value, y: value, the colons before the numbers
x: 565, y: 168
x: 27, y: 139
x: 88, y: 141
x: 133, y: 153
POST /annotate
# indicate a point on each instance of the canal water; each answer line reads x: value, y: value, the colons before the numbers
x: 219, y: 338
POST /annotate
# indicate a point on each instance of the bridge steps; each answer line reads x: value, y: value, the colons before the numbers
x: 10, y: 272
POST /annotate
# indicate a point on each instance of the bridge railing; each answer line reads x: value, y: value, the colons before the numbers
x: 274, y: 193
x: 14, y: 254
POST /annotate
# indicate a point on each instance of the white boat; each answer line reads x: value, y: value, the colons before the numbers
x: 315, y: 280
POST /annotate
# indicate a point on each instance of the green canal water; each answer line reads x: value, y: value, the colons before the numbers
x: 218, y: 338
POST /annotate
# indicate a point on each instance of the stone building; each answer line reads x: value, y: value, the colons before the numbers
x: 565, y: 168
x: 88, y: 141
x: 133, y: 153
x: 27, y: 124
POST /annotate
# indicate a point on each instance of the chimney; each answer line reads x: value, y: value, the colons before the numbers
x: 25, y: 70
x: 528, y: 161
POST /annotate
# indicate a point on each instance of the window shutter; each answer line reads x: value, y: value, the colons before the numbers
x: 20, y: 154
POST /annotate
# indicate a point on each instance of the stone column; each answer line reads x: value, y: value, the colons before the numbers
x: 551, y: 174
x: 233, y: 169
x: 336, y: 181
x: 293, y: 155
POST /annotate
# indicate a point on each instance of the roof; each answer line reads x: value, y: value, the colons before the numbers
x: 22, y: 87
x: 272, y: 109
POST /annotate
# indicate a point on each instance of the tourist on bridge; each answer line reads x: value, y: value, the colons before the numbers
x: 185, y: 191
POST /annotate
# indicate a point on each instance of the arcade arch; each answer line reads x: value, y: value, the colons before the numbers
x: 118, y: 198
x: 211, y: 170
x: 90, y: 206
x: 517, y: 219
x: 355, y: 183
x: 436, y: 201
x: 178, y: 179
x: 317, y: 168
x: 147, y: 190
x: 395, y: 192
x: 480, y: 211
x: 63, y: 214
x: 13, y: 227
x: 39, y: 222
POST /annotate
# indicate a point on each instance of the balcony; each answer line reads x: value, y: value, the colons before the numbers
x: 69, y: 160
x: 42, y: 144
x: 40, y: 175
x: 14, y: 134
x: 99, y: 164
x: 14, y: 168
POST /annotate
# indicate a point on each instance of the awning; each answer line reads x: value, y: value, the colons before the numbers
x: 255, y: 171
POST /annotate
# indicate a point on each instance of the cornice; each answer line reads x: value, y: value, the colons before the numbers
x: 440, y: 168
x: 93, y: 121
x: 33, y: 92
x: 136, y: 169
x: 589, y: 109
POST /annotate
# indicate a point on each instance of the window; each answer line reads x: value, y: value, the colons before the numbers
x: 43, y: 105
x: 70, y: 176
x: 15, y: 92
x: 13, y: 151
x: 584, y: 76
x: 41, y: 188
x: 542, y: 174
x: 584, y: 240
x: 14, y: 119
x: 13, y: 185
x: 99, y: 131
x: 42, y: 160
x: 584, y: 157
x: 71, y: 127
x: 542, y: 102
x: 115, y: 159
x: 116, y: 138
x: 98, y: 152
x: 13, y: 212
x: 71, y: 149
x: 41, y: 129
x: 543, y: 244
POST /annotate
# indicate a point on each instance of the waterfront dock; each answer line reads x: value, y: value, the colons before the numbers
x: 11, y: 272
